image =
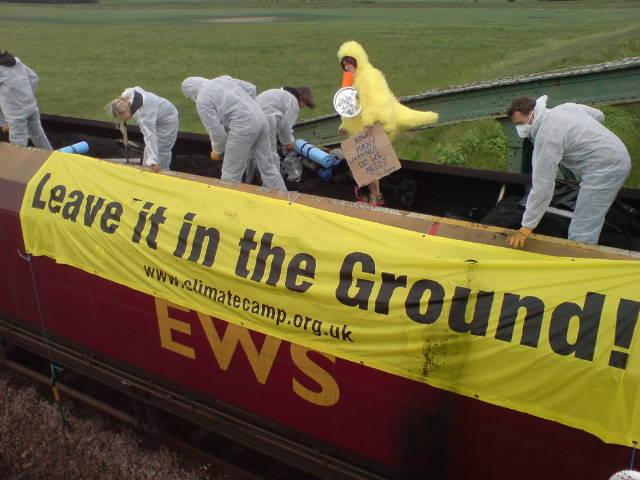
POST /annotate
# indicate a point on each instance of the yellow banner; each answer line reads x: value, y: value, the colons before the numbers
x: 544, y: 335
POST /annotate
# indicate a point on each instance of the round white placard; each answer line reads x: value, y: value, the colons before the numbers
x: 345, y: 102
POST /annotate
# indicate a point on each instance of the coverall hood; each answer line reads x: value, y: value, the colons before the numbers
x: 191, y: 87
x: 539, y: 113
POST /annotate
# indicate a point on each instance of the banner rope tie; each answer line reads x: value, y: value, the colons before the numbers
x: 53, y: 368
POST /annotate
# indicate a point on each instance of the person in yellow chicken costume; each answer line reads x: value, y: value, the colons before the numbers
x: 378, y: 103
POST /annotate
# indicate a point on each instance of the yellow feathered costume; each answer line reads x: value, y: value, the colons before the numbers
x: 376, y: 99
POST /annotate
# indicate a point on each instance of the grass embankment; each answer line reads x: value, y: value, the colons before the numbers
x: 87, y: 54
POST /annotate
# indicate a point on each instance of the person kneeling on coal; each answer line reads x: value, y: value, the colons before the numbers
x: 572, y: 135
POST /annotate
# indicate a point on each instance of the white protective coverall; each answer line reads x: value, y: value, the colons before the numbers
x: 157, y: 118
x: 248, y: 87
x: 572, y: 135
x: 236, y: 126
x: 18, y: 106
x: 281, y: 109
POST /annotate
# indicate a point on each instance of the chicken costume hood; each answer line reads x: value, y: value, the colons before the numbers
x: 376, y: 99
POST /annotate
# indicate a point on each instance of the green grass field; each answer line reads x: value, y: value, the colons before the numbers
x: 87, y: 54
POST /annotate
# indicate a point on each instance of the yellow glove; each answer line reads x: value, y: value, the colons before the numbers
x: 290, y: 147
x: 518, y: 238
x: 5, y: 128
x: 215, y: 156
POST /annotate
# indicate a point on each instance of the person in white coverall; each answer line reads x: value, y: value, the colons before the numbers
x: 572, y: 135
x: 281, y: 106
x: 237, y: 127
x: 158, y: 120
x: 18, y: 107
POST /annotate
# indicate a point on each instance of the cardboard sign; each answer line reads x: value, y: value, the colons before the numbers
x: 370, y: 155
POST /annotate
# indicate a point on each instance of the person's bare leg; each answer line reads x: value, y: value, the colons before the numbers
x: 375, y: 194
